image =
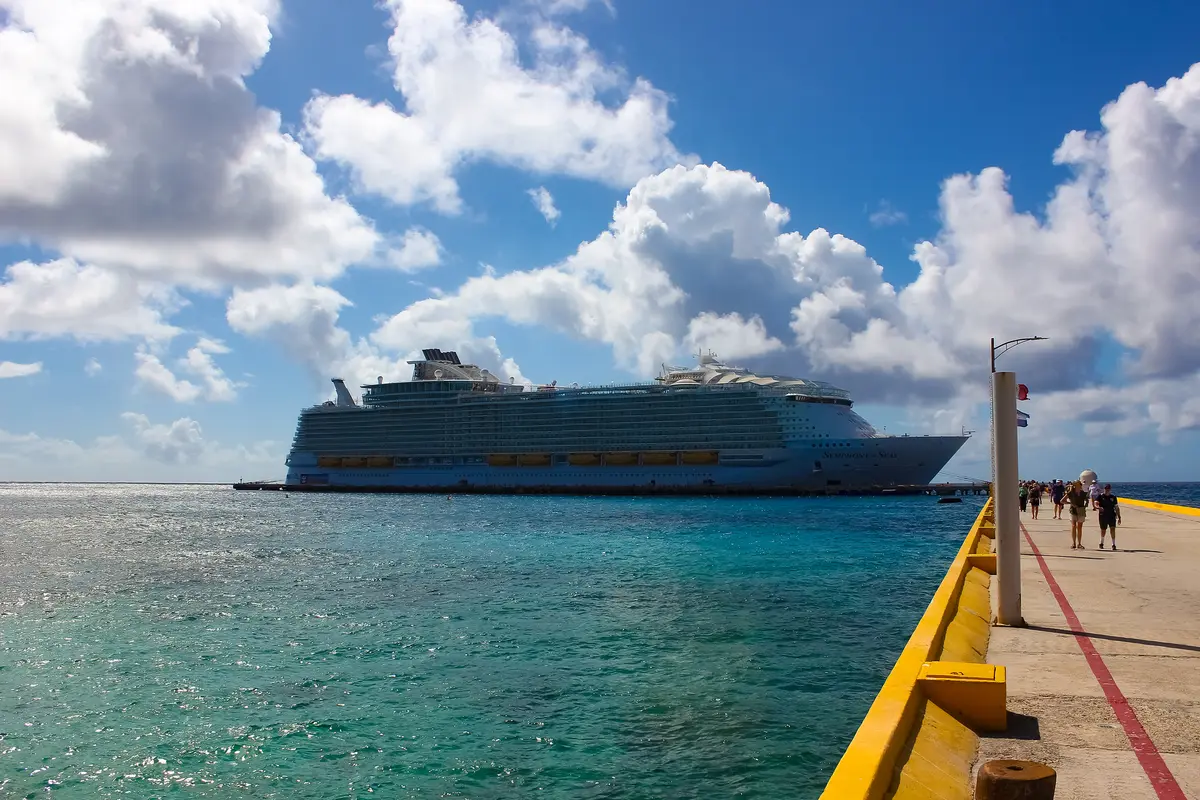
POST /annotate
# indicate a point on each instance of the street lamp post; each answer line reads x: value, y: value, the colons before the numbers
x: 1002, y: 348
x: 1004, y: 487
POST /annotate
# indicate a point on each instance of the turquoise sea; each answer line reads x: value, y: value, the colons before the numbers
x: 196, y: 641
x: 1181, y: 494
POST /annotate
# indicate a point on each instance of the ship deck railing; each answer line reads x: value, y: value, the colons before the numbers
x: 641, y: 386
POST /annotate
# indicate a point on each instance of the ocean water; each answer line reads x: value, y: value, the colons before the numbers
x: 1180, y: 494
x: 193, y: 640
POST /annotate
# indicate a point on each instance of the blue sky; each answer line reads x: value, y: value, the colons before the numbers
x: 186, y: 270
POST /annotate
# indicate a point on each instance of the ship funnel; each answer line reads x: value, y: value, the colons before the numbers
x: 343, y: 394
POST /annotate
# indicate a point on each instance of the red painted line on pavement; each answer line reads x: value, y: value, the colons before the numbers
x: 1164, y: 783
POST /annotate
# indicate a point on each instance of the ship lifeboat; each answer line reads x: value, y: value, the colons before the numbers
x: 329, y: 461
x: 699, y: 457
x: 534, y: 459
x: 658, y: 458
x: 583, y: 459
x: 620, y: 459
x: 501, y: 460
x: 379, y: 461
x: 354, y: 461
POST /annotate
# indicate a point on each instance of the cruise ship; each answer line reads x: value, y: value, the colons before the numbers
x: 706, y: 429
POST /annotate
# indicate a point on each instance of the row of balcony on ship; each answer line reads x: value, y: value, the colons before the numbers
x: 596, y: 459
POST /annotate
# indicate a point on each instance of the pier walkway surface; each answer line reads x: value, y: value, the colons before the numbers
x: 1106, y: 677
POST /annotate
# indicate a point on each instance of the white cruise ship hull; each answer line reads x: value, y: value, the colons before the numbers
x: 832, y: 467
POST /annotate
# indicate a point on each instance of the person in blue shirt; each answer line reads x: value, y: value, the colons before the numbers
x: 1057, y: 490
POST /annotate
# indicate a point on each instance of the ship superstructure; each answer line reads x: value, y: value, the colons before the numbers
x: 706, y: 428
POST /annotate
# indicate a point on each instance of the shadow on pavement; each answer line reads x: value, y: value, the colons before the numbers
x: 1148, y: 642
x: 1020, y: 726
x: 1052, y: 555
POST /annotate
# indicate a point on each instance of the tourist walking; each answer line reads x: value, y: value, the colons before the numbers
x: 1035, y: 498
x: 1110, y: 514
x: 1023, y: 496
x: 1077, y: 503
x: 1057, y: 491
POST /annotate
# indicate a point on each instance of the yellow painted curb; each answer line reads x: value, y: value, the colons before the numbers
x: 1185, y: 510
x: 907, y: 746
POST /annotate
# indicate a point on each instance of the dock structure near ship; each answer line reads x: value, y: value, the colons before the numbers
x: 705, y: 429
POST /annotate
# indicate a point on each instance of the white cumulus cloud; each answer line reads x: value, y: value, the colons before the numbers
x: 178, y: 442
x: 11, y: 369
x: 140, y: 450
x: 129, y: 140
x: 417, y: 249
x: 694, y: 256
x: 151, y: 372
x: 730, y: 335
x: 212, y: 382
x: 558, y: 7
x: 66, y: 298
x: 886, y: 215
x: 1168, y: 407
x: 543, y: 201
x: 92, y: 367
x: 468, y: 95
x: 303, y: 318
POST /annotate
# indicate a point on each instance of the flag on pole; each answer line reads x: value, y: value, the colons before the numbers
x: 1022, y: 391
x: 1022, y: 419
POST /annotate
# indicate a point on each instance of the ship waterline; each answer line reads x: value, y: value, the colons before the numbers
x: 705, y: 429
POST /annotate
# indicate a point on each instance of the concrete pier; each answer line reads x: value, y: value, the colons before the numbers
x: 1104, y: 683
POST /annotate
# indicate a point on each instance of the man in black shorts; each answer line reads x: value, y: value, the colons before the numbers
x: 1110, y: 514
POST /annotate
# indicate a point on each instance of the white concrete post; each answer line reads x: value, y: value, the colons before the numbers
x: 1004, y: 490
